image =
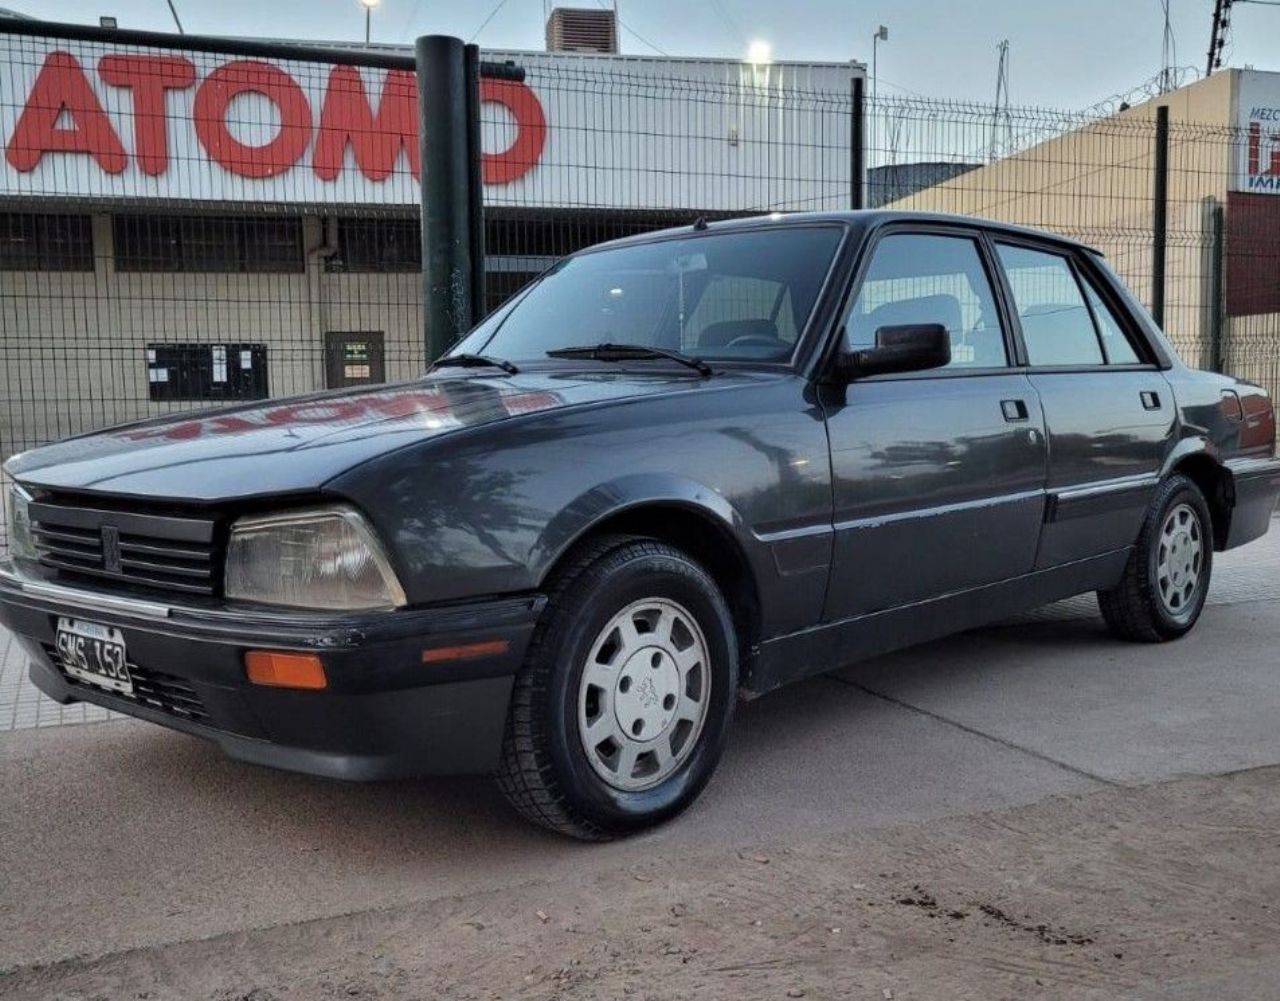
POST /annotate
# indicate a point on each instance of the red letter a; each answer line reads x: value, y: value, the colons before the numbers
x: 60, y: 87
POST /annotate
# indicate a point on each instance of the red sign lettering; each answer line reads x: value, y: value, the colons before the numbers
x: 248, y: 76
x: 148, y: 77
x: 60, y: 87
x: 61, y: 93
x: 531, y: 131
x: 376, y: 139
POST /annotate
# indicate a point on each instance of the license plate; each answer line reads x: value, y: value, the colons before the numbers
x: 94, y: 654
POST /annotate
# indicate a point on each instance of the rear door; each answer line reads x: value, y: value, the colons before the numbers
x: 938, y: 476
x: 1108, y: 412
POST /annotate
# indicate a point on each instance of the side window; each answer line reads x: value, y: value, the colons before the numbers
x: 1115, y: 343
x: 737, y: 306
x: 1057, y: 327
x: 922, y: 278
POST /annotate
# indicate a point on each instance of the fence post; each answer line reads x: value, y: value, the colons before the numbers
x: 1160, y: 215
x: 475, y: 179
x: 858, y: 146
x: 445, y: 181
x: 1217, y: 300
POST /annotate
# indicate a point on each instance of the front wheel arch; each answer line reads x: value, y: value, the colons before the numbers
x: 689, y: 517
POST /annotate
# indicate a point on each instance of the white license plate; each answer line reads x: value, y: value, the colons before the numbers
x: 94, y: 654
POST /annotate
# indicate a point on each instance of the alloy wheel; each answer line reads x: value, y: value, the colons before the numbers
x: 1179, y: 558
x: 644, y: 694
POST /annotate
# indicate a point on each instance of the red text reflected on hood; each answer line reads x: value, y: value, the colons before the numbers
x: 437, y: 407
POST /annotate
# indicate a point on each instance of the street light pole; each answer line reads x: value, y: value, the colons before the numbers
x: 368, y: 6
x: 881, y: 35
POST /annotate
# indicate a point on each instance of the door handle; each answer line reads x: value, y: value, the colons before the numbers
x: 1013, y: 410
x: 1150, y: 399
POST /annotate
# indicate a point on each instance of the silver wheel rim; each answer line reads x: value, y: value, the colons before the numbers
x: 644, y: 694
x: 1179, y: 559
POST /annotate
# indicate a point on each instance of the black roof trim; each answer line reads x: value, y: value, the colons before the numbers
x: 866, y: 219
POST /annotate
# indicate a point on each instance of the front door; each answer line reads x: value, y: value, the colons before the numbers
x: 353, y: 359
x: 938, y: 476
x: 1108, y: 411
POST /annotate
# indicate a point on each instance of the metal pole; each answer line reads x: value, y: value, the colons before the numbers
x: 1160, y: 215
x: 858, y: 148
x: 875, y: 44
x: 475, y: 185
x: 446, y: 199
x: 368, y: 22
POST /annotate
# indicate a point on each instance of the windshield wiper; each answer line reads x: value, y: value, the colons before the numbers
x: 627, y: 352
x: 475, y: 361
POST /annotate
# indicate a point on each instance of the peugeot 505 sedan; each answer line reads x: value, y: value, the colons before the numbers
x: 673, y: 470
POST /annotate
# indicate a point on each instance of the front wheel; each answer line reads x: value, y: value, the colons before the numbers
x: 1165, y: 583
x: 622, y: 708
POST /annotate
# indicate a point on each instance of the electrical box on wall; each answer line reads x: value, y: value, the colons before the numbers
x: 207, y: 371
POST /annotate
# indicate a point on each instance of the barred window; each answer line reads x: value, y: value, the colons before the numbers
x: 371, y: 244
x: 208, y: 243
x: 32, y: 241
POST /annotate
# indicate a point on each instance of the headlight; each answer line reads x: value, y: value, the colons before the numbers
x: 20, y: 542
x: 323, y: 558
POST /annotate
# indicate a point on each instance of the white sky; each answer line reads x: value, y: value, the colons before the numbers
x: 1063, y: 54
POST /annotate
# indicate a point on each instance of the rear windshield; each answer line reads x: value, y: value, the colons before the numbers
x: 745, y: 296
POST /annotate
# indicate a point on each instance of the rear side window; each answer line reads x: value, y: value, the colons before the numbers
x: 923, y: 278
x: 1057, y: 326
x: 1115, y: 343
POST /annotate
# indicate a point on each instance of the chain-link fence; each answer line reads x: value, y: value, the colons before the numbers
x: 187, y: 223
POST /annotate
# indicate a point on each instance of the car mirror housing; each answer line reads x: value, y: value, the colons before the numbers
x: 911, y: 347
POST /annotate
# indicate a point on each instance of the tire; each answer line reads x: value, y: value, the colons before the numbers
x: 586, y: 671
x: 1155, y: 602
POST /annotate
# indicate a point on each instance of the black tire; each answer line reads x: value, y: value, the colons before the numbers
x: 545, y: 772
x: 1134, y: 608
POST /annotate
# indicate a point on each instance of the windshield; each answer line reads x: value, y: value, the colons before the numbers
x: 725, y: 296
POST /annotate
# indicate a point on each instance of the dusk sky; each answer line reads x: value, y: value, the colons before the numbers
x: 1063, y: 55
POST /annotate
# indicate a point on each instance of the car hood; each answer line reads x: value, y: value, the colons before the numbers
x: 299, y: 444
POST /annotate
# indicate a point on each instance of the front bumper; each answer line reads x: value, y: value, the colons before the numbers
x: 387, y: 712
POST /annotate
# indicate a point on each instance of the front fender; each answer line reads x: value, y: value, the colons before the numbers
x: 590, y: 510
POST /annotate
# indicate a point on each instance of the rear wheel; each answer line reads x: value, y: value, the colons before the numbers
x: 1165, y: 583
x: 623, y: 705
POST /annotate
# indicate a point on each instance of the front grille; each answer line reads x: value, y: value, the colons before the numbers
x: 154, y: 689
x: 155, y: 551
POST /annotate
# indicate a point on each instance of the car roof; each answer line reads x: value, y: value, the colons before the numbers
x: 866, y: 219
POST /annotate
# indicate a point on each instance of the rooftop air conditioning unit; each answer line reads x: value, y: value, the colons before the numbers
x: 575, y: 29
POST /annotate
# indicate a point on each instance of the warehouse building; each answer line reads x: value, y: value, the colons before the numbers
x: 181, y: 227
x: 1096, y: 182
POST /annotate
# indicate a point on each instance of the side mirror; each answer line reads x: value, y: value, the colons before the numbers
x: 911, y: 347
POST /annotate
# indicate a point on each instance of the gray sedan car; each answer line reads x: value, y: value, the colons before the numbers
x: 675, y: 468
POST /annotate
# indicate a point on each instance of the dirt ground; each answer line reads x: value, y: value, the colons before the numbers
x: 1169, y: 891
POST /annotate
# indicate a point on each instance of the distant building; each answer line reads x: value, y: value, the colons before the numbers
x: 899, y: 180
x: 1095, y: 183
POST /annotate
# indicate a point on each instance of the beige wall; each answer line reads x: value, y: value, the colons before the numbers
x: 1095, y: 184
x: 73, y: 345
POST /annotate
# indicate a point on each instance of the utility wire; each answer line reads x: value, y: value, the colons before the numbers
x: 408, y: 21
x: 632, y: 31
x: 174, y: 11
x: 720, y: 8
x: 485, y: 23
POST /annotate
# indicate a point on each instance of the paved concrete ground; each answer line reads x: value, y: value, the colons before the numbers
x: 121, y: 835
